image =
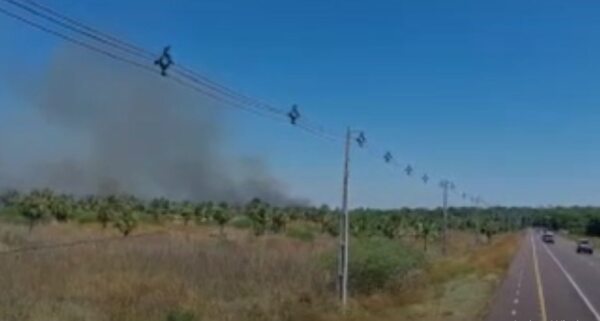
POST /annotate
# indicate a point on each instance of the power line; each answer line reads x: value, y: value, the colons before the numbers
x: 279, y: 117
x: 65, y: 18
x: 199, y: 83
x: 408, y: 168
x: 77, y: 26
x: 76, y: 41
x: 81, y: 30
x: 104, y: 52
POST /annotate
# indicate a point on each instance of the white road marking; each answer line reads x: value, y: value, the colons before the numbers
x: 518, y: 292
x: 584, y: 258
x: 513, y: 312
x: 574, y: 284
x: 516, y: 301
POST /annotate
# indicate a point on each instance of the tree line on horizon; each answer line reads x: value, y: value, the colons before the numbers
x: 125, y: 212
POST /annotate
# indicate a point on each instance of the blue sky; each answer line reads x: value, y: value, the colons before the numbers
x: 499, y: 96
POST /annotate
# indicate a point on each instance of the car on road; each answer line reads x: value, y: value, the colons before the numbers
x: 548, y: 237
x: 584, y: 246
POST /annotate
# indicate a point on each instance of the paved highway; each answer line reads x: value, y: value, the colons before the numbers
x: 549, y: 282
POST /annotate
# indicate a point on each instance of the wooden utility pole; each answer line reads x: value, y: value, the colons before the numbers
x: 344, y: 226
x: 445, y: 185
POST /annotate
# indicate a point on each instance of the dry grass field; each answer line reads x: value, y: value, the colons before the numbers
x: 192, y: 273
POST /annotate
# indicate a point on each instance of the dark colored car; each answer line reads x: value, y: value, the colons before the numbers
x: 584, y: 246
x: 548, y: 237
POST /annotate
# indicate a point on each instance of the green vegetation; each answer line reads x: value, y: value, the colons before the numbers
x: 221, y: 214
x: 575, y: 220
x: 124, y: 212
x: 301, y: 232
x: 180, y: 316
x: 270, y: 267
x: 126, y: 221
x: 379, y: 263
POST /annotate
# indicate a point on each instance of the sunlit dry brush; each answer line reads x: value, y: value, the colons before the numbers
x: 498, y: 256
x: 238, y: 278
x: 456, y: 287
x: 467, y: 282
x: 198, y: 271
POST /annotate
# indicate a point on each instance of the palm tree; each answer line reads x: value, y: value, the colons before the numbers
x: 257, y: 212
x: 125, y: 219
x: 61, y: 207
x: 331, y: 224
x: 104, y: 213
x: 320, y: 216
x: 390, y: 225
x: 202, y: 212
x: 221, y: 214
x: 490, y: 228
x: 426, y: 229
x: 278, y: 220
x: 187, y: 212
x: 360, y: 224
x: 34, y: 207
x: 159, y: 207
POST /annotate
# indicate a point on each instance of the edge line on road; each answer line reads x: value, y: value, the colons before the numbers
x: 538, y: 279
x: 573, y: 283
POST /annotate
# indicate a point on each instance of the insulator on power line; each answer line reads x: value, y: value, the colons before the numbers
x: 444, y: 183
x: 408, y: 170
x: 361, y: 140
x: 464, y: 195
x: 164, y: 61
x: 387, y: 157
x: 425, y: 178
x: 294, y: 114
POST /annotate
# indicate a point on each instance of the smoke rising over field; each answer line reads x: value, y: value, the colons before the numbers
x: 128, y: 131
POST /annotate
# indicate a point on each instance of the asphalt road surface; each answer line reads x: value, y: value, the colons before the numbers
x: 549, y: 282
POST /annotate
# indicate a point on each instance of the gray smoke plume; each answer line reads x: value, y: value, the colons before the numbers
x: 132, y: 132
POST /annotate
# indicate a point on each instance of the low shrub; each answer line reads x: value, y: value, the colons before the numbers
x: 379, y: 264
x: 449, y: 269
x: 178, y: 315
x: 301, y: 233
x: 85, y: 217
x: 241, y: 222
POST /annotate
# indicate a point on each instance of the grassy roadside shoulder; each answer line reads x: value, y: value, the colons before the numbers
x: 456, y: 288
